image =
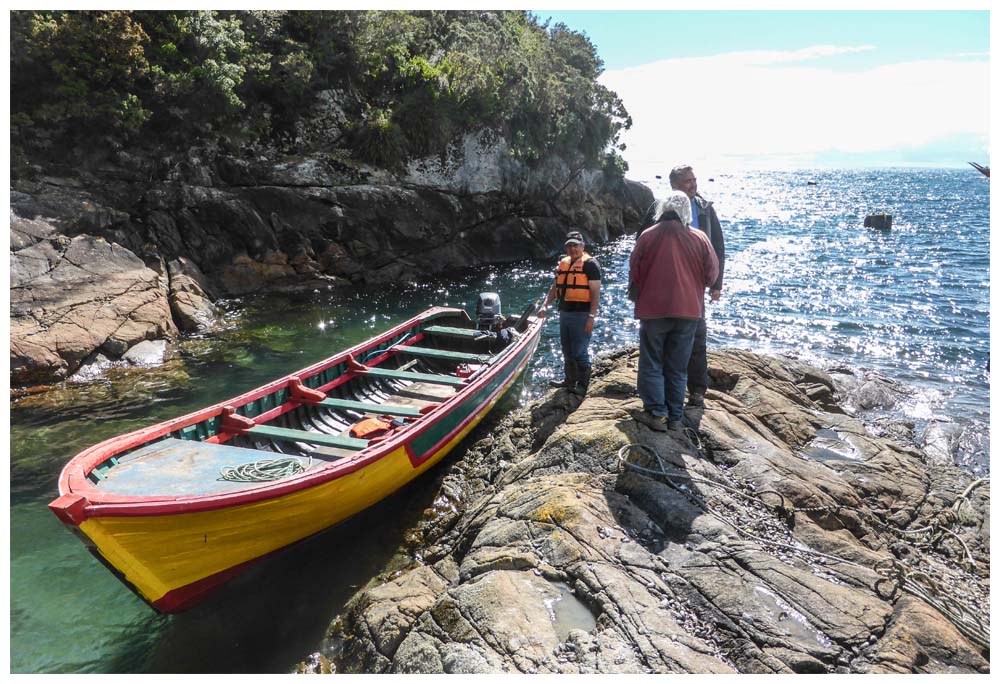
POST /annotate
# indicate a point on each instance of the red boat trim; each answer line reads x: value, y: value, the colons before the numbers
x: 109, y: 505
x: 70, y: 508
x: 74, y: 475
x: 408, y: 448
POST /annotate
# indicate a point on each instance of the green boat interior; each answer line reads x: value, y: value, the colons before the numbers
x: 392, y: 383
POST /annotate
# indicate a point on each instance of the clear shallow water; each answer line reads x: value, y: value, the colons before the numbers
x: 802, y: 277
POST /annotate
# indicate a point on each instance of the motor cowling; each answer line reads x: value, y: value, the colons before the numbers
x: 488, y: 314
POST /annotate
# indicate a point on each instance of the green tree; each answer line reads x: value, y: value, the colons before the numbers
x: 200, y: 61
x: 414, y: 80
x: 77, y: 71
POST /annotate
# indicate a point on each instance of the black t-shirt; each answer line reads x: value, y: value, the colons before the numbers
x: 592, y: 270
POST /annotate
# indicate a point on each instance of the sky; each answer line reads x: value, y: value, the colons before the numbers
x: 795, y: 89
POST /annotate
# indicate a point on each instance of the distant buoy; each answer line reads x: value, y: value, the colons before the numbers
x: 879, y: 221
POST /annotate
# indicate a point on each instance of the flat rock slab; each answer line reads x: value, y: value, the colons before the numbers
x: 736, y: 545
x: 73, y: 296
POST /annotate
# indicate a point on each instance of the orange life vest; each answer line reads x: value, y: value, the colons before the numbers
x: 572, y: 284
x: 369, y: 427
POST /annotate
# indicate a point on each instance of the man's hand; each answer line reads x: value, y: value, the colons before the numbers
x: 541, y: 312
x: 588, y: 327
x: 715, y: 295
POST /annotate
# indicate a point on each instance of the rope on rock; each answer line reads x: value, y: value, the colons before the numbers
x: 264, y: 470
x: 913, y: 581
x: 919, y: 584
x: 958, y: 506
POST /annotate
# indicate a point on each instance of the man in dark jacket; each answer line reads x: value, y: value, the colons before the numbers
x: 704, y: 218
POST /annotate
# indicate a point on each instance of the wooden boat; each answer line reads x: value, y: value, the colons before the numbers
x: 153, y: 504
x: 985, y: 170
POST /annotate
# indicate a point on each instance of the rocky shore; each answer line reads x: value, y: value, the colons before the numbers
x: 133, y: 249
x: 776, y: 534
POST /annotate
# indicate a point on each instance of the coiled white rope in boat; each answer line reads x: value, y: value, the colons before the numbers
x: 264, y: 470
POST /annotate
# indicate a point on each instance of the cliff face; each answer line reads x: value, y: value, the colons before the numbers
x: 134, y: 248
x: 775, y: 534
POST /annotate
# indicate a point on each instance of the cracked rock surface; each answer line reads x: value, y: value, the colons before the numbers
x: 777, y: 534
x: 71, y: 297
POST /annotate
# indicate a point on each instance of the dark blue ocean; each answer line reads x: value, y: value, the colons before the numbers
x: 803, y: 277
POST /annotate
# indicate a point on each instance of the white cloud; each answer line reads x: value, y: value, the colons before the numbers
x: 765, y: 107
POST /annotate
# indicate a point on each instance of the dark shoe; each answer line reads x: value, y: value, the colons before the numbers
x: 582, y: 382
x: 568, y: 382
x: 675, y: 425
x: 696, y: 399
x: 658, y: 423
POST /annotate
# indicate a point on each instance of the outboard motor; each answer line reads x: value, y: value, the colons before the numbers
x: 488, y: 314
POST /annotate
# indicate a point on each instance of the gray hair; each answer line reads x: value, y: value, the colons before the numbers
x: 677, y: 171
x: 677, y: 202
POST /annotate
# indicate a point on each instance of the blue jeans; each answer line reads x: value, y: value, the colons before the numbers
x: 698, y: 365
x: 575, y: 342
x: 664, y: 351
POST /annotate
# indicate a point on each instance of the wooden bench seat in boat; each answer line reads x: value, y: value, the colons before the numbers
x: 444, y: 354
x: 319, y: 438
x: 307, y: 395
x: 466, y: 333
x: 179, y: 467
x: 371, y: 407
x: 416, y: 377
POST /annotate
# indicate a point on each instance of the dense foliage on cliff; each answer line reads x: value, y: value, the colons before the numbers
x: 408, y: 81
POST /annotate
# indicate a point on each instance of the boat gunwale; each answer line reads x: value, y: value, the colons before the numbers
x: 74, y: 478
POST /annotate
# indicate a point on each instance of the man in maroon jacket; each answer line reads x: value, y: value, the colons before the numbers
x: 669, y: 269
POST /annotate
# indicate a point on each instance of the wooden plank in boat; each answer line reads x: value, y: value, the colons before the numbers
x: 371, y: 407
x: 421, y: 394
x: 468, y: 333
x: 442, y: 354
x: 417, y: 377
x: 180, y: 467
x: 289, y: 435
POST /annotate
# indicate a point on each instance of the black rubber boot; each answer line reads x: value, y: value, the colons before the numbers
x: 569, y: 381
x: 582, y: 381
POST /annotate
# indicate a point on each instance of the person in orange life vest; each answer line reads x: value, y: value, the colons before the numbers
x: 578, y: 289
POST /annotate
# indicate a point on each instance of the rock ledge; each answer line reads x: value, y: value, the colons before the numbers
x: 775, y: 535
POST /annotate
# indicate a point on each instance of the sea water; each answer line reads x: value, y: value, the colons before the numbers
x: 803, y: 277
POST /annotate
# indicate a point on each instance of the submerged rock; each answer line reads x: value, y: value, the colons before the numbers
x: 147, y: 353
x: 730, y: 547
